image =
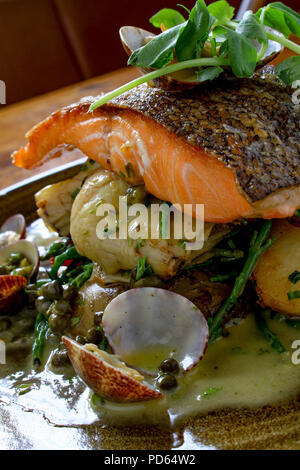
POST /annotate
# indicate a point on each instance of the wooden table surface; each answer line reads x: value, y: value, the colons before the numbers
x: 17, y: 119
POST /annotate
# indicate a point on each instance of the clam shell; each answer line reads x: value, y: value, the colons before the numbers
x: 133, y: 38
x: 25, y: 247
x: 10, y: 290
x: 155, y: 324
x: 104, y: 379
x: 16, y: 223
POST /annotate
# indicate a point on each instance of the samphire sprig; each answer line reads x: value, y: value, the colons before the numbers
x: 231, y: 44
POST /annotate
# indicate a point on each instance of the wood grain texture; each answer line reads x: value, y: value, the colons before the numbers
x: 17, y: 119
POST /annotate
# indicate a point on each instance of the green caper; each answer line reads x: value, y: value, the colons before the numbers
x: 62, y: 307
x: 60, y: 359
x: 166, y: 382
x: 94, y: 335
x: 170, y: 366
x: 69, y: 292
x: 57, y: 322
x: 42, y: 304
x: 51, y: 290
x: 31, y: 292
x: 15, y: 258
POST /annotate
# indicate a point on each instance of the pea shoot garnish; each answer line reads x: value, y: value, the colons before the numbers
x: 184, y: 44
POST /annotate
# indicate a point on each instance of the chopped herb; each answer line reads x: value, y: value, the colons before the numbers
x: 295, y: 294
x: 271, y: 337
x: 23, y: 388
x: 92, y: 211
x: 75, y: 321
x: 74, y: 193
x: 297, y: 213
x: 294, y: 277
x: 209, y: 392
x: 182, y: 244
x: 140, y: 243
x: 80, y: 301
x: 96, y: 400
x: 103, y: 345
x: 99, y: 203
x: 143, y: 269
x: 122, y: 174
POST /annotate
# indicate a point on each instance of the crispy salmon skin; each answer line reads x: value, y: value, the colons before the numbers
x: 233, y: 145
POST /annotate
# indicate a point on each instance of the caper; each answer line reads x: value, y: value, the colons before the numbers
x: 57, y: 322
x: 69, y: 292
x: 31, y: 292
x: 51, y: 290
x: 94, y: 335
x: 80, y: 339
x: 42, y: 304
x: 60, y: 359
x: 62, y: 307
x: 136, y: 194
x: 170, y: 366
x: 15, y: 258
x: 166, y: 382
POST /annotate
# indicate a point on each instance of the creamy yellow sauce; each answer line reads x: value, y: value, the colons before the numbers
x: 241, y: 370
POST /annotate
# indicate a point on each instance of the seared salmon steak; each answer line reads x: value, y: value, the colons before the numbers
x: 233, y: 145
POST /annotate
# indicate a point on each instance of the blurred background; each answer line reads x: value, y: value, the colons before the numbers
x: 49, y: 44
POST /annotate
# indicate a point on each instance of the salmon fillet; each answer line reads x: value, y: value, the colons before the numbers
x: 233, y: 146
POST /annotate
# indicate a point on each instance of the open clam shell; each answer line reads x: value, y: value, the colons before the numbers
x: 27, y: 248
x: 10, y: 290
x: 16, y: 223
x: 144, y: 326
x: 13, y: 229
x: 133, y: 38
x: 106, y: 375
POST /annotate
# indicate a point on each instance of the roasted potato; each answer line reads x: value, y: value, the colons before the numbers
x: 271, y: 274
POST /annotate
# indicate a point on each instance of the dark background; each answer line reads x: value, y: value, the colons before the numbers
x: 48, y: 44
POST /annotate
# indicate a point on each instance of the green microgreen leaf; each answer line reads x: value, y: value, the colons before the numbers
x: 242, y: 54
x: 209, y: 73
x: 221, y: 10
x: 168, y: 17
x: 288, y: 71
x: 280, y: 17
x: 191, y: 41
x: 158, y: 52
x: 251, y: 28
